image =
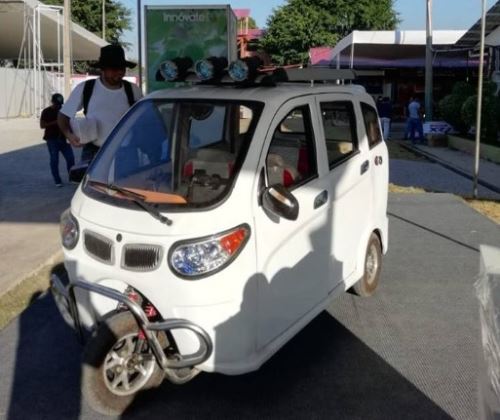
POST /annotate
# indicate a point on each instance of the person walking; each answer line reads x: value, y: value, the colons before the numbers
x: 103, y: 100
x: 385, y: 115
x: 55, y: 139
x: 415, y: 121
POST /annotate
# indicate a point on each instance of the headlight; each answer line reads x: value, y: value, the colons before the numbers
x: 204, y: 256
x: 70, y: 231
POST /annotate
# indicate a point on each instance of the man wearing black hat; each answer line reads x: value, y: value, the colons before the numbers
x: 103, y: 100
x: 56, y: 142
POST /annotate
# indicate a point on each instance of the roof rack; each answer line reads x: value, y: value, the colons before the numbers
x: 314, y: 74
x: 245, y: 72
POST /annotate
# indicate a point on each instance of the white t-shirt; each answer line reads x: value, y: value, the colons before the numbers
x: 106, y: 106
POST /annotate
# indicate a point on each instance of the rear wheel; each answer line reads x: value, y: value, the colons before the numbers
x: 373, y: 265
x: 113, y: 371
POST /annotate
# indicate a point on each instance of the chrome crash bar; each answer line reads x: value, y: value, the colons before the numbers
x: 205, y: 343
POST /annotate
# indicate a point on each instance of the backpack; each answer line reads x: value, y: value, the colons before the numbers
x: 88, y: 88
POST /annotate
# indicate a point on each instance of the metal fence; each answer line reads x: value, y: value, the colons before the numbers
x: 18, y: 95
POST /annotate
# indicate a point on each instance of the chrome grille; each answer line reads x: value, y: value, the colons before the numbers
x: 141, y: 257
x: 98, y: 247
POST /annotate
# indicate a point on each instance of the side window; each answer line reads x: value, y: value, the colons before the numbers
x: 291, y: 159
x: 339, y: 124
x: 372, y: 127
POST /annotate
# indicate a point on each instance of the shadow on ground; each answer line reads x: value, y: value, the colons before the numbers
x: 324, y: 372
x: 27, y: 191
x: 46, y: 373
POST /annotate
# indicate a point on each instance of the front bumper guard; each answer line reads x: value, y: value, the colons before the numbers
x: 66, y: 302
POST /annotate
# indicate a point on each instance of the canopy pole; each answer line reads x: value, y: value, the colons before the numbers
x: 479, y: 99
x: 428, y: 64
x: 139, y: 40
x: 104, y: 20
x: 67, y: 48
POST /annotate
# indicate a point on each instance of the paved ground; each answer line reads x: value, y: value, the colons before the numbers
x: 408, y: 352
x: 30, y: 204
x: 488, y: 171
x: 434, y: 177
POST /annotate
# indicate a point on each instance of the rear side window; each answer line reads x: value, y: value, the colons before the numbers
x: 372, y: 126
x: 291, y: 159
x: 339, y: 124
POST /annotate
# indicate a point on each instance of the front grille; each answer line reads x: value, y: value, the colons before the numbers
x: 98, y: 247
x: 141, y: 257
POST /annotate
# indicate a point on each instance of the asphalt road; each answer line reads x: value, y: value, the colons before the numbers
x: 30, y: 204
x: 410, y: 351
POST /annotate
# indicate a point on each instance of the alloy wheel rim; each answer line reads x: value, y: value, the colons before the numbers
x: 372, y: 264
x: 124, y: 371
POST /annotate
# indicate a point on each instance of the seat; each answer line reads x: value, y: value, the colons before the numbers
x: 213, y: 162
x: 279, y: 172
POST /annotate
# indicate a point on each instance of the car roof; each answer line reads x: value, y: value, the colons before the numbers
x: 276, y: 94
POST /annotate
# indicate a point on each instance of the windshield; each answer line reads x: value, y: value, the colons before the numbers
x: 175, y: 153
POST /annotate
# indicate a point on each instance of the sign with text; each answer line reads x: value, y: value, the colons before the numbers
x: 198, y: 32
x: 437, y: 127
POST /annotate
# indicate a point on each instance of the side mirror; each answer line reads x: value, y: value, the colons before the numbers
x: 280, y: 202
x: 77, y: 172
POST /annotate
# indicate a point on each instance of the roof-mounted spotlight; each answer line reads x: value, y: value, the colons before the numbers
x: 244, y: 70
x: 176, y: 69
x: 210, y: 68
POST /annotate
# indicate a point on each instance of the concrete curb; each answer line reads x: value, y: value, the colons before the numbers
x: 450, y: 167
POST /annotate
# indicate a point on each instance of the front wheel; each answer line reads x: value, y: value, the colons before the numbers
x: 373, y: 265
x: 113, y: 371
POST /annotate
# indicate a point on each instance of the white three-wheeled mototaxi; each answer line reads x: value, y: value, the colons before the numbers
x: 217, y: 221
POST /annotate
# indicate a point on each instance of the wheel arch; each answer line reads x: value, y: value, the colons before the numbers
x: 361, y: 252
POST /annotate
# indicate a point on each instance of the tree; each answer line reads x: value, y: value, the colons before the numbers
x: 451, y: 106
x: 301, y: 24
x: 88, y: 13
x: 489, y: 115
x: 251, y: 23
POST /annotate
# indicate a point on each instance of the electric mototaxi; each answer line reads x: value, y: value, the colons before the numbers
x: 214, y: 224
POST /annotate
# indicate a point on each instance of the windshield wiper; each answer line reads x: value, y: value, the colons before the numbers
x: 138, y: 199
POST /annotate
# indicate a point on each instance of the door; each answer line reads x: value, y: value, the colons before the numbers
x: 292, y: 256
x: 379, y: 157
x: 349, y: 183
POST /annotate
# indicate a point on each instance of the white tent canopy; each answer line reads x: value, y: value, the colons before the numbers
x: 85, y: 45
x: 493, y: 38
x: 472, y: 37
x: 384, y: 44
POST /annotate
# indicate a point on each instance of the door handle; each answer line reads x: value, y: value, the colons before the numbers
x: 364, y: 166
x: 321, y: 199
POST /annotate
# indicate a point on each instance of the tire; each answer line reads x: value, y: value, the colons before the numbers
x: 105, y: 389
x: 366, y: 286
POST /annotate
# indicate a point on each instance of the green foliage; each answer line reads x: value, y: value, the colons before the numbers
x: 301, y: 24
x: 450, y: 110
x: 450, y: 107
x: 489, y: 115
x: 251, y: 23
x: 88, y: 13
x: 463, y: 89
x: 459, y: 110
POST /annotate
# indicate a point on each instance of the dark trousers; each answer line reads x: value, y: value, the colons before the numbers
x: 88, y: 152
x: 416, y: 125
x: 55, y: 147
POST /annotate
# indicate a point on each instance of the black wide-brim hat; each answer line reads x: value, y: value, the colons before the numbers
x: 113, y: 56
